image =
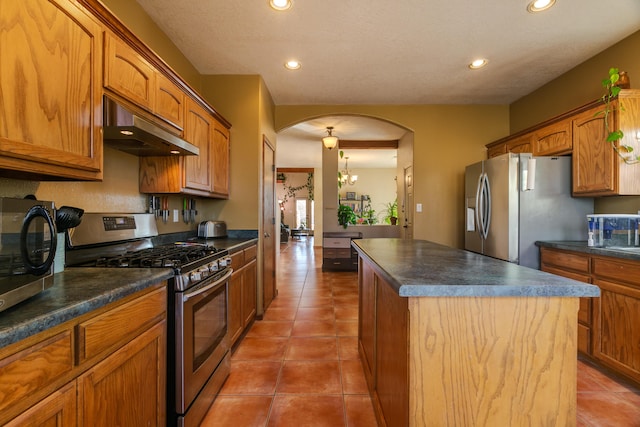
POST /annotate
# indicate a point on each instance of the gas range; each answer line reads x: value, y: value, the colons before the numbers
x: 125, y: 241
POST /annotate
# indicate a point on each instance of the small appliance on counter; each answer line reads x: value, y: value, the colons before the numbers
x: 613, y: 230
x: 212, y: 229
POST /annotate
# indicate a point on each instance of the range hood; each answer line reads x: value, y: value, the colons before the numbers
x: 128, y: 132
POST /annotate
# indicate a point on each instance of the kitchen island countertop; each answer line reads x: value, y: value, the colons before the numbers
x: 75, y: 291
x: 418, y: 268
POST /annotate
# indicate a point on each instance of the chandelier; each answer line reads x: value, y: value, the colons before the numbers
x: 346, y: 177
x: 330, y: 141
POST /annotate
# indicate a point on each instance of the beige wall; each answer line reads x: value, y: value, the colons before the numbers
x: 446, y: 139
x: 577, y: 87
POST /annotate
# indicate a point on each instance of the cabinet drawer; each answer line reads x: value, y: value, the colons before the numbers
x: 624, y: 271
x: 336, y: 253
x: 572, y: 261
x: 34, y: 368
x: 336, y: 242
x: 250, y: 253
x: 119, y: 325
x: 237, y: 260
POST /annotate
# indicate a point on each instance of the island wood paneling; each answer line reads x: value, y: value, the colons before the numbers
x: 492, y: 361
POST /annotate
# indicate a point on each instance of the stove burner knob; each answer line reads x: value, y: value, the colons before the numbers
x: 195, y: 276
x: 204, y: 271
x: 226, y: 261
x: 214, y: 266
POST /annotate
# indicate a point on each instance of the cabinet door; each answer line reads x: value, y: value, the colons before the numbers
x: 553, y: 139
x: 58, y: 409
x: 617, y: 320
x: 128, y: 387
x: 198, y: 131
x: 496, y: 150
x: 169, y: 102
x: 367, y: 320
x: 128, y: 74
x: 595, y: 166
x: 249, y: 292
x: 235, y: 307
x: 521, y: 144
x: 392, y: 354
x: 220, y: 160
x: 50, y: 74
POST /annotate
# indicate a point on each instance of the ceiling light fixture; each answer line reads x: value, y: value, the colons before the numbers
x: 478, y: 63
x: 280, y: 4
x: 292, y: 65
x: 345, y: 175
x: 540, y: 5
x: 330, y: 141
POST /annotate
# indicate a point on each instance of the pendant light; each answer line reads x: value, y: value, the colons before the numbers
x: 330, y: 141
x: 346, y: 175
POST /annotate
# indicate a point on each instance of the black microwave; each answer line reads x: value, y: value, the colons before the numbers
x: 27, y: 249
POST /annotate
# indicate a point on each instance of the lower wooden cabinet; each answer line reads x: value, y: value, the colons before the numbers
x: 45, y: 380
x: 243, y: 292
x: 607, y: 326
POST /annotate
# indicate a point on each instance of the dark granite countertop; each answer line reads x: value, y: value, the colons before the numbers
x: 75, y: 291
x: 230, y: 244
x: 417, y: 268
x: 581, y: 246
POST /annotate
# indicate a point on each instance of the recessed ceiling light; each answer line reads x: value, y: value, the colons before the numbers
x: 540, y: 5
x: 280, y: 4
x: 292, y: 65
x: 478, y: 63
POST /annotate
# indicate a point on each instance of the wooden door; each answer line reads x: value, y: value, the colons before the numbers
x: 220, y: 160
x: 51, y: 79
x: 199, y: 132
x: 58, y: 409
x: 268, y: 223
x: 128, y: 387
x: 595, y: 166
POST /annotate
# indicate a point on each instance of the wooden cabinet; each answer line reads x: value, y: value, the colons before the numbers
x: 128, y: 387
x: 607, y: 325
x: 553, y: 139
x: 494, y: 150
x: 51, y: 79
x: 367, y: 287
x: 204, y: 175
x: 169, y: 102
x: 128, y: 74
x: 617, y: 315
x: 104, y: 368
x: 575, y: 266
x: 597, y: 169
x: 520, y: 144
x: 242, y: 292
x: 337, y: 253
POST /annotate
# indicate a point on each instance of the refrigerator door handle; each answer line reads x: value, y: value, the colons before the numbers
x: 478, y: 209
x: 487, y: 196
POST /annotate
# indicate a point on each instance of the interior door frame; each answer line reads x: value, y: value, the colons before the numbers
x: 268, y: 227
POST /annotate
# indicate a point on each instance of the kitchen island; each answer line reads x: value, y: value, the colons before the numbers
x: 449, y: 337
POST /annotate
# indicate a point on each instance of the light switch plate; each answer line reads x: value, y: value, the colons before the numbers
x: 418, y: 207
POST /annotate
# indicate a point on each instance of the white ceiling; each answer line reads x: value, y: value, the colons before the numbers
x: 393, y: 52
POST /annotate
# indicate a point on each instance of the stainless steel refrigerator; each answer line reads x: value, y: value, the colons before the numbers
x: 515, y: 199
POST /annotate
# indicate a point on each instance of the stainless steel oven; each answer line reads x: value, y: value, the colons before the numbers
x: 27, y: 249
x: 197, y: 343
x: 202, y: 361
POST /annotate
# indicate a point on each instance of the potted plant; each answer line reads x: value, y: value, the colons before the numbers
x: 346, y: 215
x: 390, y: 212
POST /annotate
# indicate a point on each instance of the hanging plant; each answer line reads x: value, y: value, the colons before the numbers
x: 291, y: 191
x: 612, y: 90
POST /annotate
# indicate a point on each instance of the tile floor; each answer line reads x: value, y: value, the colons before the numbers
x: 299, y: 366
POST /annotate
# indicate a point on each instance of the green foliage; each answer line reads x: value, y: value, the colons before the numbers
x: 346, y: 216
x: 390, y: 210
x: 612, y: 91
x: 291, y: 191
x: 368, y: 215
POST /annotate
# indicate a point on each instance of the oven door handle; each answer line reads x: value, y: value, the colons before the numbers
x: 187, y: 296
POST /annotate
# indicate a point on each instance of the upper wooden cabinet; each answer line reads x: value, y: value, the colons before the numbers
x: 597, y: 169
x: 553, y: 139
x: 128, y: 74
x: 169, y: 102
x: 521, y: 144
x: 204, y: 175
x: 51, y: 80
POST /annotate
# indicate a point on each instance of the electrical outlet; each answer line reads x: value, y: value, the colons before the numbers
x: 176, y: 214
